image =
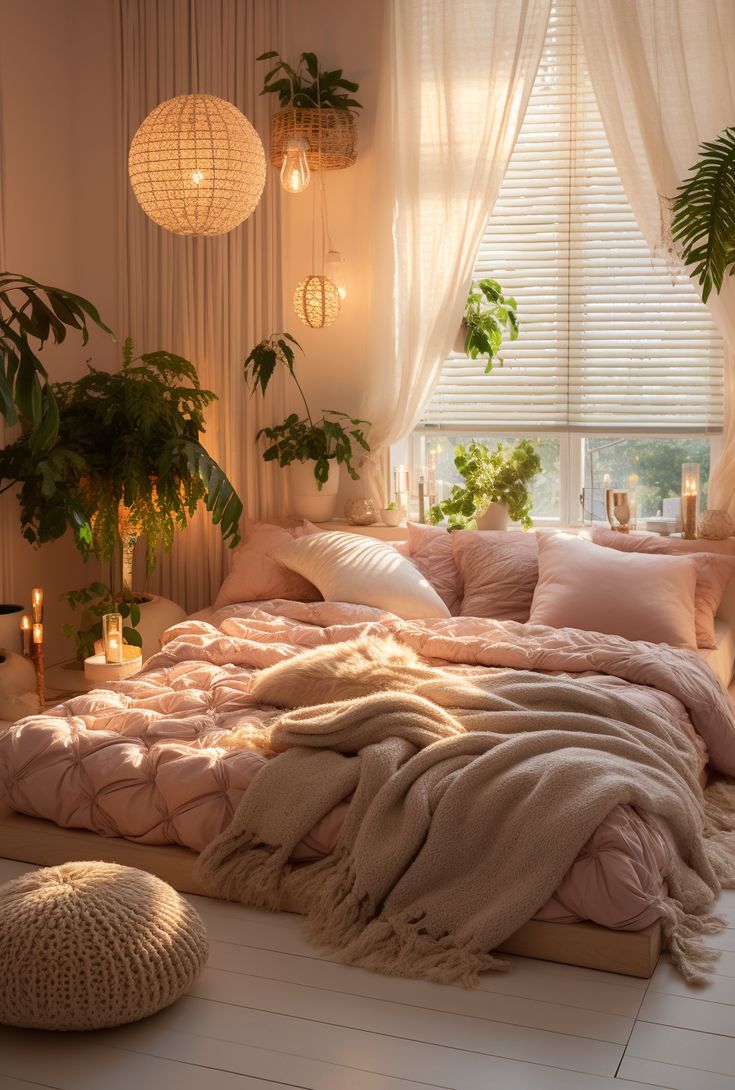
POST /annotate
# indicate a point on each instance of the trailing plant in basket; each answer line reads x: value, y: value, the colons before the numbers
x: 488, y: 316
x: 302, y: 439
x: 307, y: 86
x: 498, y: 476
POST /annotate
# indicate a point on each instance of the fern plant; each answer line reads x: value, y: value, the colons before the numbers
x: 30, y: 315
x: 127, y: 462
x: 704, y: 213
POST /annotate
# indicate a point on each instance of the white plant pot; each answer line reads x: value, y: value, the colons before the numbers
x: 18, y: 696
x: 306, y: 500
x: 391, y: 517
x: 156, y: 615
x: 459, y: 340
x: 496, y: 517
x: 10, y: 616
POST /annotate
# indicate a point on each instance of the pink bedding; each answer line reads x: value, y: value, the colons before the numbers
x: 151, y: 761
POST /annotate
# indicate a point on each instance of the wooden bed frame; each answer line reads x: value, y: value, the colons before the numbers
x: 31, y: 840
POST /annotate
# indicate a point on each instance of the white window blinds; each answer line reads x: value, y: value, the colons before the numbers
x: 608, y: 342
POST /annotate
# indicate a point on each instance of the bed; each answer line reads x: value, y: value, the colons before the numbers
x: 149, y: 775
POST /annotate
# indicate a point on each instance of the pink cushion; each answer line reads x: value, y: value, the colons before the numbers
x: 498, y: 570
x: 639, y: 596
x: 256, y: 576
x: 714, y: 571
x: 430, y: 549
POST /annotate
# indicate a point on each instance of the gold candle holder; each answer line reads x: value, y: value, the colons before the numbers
x: 617, y: 507
x: 38, y: 657
x: 690, y: 489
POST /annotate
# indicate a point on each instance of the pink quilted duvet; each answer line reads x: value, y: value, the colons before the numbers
x: 150, y: 761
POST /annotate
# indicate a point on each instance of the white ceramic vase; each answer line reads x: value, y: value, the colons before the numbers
x: 10, y: 616
x: 18, y: 695
x: 306, y: 500
x: 494, y: 518
x: 156, y: 615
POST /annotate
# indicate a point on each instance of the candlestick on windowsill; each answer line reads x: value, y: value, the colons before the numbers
x: 689, y: 499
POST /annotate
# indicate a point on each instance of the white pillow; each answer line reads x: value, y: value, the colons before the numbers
x: 362, y: 570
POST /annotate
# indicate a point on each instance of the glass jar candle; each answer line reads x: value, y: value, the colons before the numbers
x: 112, y: 637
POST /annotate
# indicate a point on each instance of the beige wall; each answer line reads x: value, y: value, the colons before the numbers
x: 60, y: 218
x: 334, y: 366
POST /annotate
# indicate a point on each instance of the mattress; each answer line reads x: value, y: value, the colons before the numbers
x: 154, y: 760
x: 722, y: 657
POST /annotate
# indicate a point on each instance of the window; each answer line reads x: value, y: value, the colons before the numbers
x: 612, y: 345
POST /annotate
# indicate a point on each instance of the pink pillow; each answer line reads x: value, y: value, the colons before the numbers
x: 430, y: 550
x: 498, y: 570
x: 638, y: 596
x: 256, y: 576
x: 714, y: 570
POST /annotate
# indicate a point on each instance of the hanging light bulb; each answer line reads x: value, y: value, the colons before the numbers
x: 295, y: 173
x: 334, y: 268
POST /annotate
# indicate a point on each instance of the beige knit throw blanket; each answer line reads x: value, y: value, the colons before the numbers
x: 472, y: 794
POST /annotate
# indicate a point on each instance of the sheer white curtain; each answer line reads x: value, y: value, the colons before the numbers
x: 209, y: 299
x: 457, y: 75
x: 8, y: 514
x: 664, y: 78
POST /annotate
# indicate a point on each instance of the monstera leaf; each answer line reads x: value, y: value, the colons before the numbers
x: 704, y: 213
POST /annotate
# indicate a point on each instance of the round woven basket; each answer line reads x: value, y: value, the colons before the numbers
x: 331, y: 136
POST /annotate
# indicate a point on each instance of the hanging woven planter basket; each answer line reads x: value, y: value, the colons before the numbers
x: 331, y: 136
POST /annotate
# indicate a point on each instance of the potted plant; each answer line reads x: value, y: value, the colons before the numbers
x: 316, y: 107
x: 488, y: 317
x: 391, y: 514
x: 495, y: 489
x: 313, y: 450
x: 127, y: 462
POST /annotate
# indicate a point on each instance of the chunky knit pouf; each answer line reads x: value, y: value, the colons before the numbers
x: 90, y: 945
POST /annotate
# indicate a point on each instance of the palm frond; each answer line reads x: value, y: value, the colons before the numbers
x: 704, y: 213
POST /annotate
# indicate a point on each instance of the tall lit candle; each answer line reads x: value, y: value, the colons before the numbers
x: 37, y: 603
x: 25, y: 631
x: 689, y: 498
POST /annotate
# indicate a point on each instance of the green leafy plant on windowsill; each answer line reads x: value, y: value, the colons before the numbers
x: 488, y: 317
x: 704, y: 214
x: 307, y: 86
x: 498, y: 476
x: 302, y: 439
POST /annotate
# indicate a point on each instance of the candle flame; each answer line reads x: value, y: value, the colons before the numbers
x: 38, y: 633
x: 25, y: 623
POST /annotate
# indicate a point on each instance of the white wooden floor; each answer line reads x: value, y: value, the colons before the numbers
x: 269, y: 1013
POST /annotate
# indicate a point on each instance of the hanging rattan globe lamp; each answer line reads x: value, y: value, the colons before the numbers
x: 197, y: 165
x: 316, y: 301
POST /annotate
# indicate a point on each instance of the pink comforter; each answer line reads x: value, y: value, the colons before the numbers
x: 150, y: 761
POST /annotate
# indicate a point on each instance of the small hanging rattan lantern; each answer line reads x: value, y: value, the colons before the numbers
x: 316, y: 301
x: 197, y: 165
